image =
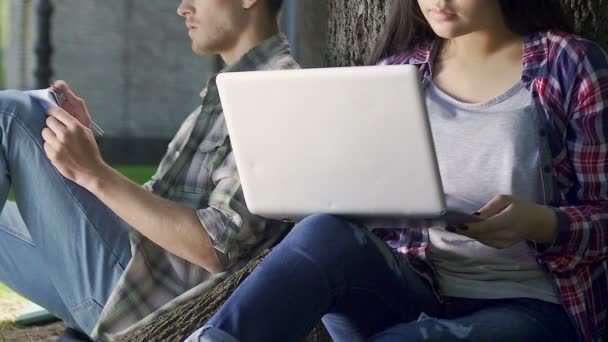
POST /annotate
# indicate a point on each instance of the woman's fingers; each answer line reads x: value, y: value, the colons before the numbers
x: 495, y: 206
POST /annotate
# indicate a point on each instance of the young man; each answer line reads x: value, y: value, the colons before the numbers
x: 103, y: 253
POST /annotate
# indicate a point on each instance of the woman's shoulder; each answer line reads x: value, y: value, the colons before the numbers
x: 570, y: 48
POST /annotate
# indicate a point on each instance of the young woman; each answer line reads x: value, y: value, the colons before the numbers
x: 519, y: 112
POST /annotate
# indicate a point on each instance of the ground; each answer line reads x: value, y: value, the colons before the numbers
x: 11, y: 305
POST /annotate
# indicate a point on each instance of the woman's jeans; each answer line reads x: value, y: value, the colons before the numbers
x: 331, y: 269
x: 59, y: 245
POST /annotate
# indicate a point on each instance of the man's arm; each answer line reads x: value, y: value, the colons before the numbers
x: 173, y: 227
x: 72, y: 149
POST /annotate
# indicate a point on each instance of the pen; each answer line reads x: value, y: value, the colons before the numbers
x: 56, y: 92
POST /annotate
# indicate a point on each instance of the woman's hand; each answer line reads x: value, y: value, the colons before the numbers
x: 72, y: 149
x: 74, y: 105
x: 509, y: 220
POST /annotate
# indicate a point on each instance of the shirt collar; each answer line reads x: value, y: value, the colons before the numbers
x: 534, y: 53
x: 258, y: 56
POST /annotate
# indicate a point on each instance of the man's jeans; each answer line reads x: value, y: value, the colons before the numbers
x: 329, y: 268
x: 59, y: 245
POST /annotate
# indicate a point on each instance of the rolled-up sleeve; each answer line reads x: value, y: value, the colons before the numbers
x: 233, y: 230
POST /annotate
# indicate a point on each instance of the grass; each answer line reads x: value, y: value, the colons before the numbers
x: 6, y: 293
x: 137, y: 173
x: 4, y: 25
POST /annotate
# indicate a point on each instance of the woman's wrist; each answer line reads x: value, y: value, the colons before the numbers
x: 548, y: 226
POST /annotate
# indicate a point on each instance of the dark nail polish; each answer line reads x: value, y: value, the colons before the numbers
x: 463, y: 227
x: 477, y: 214
x: 450, y: 229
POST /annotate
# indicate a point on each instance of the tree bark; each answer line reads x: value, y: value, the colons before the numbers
x: 590, y: 18
x: 353, y: 28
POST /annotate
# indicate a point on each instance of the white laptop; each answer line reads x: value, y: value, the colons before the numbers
x: 353, y: 142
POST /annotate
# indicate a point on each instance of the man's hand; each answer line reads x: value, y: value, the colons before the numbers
x: 72, y: 148
x: 509, y: 220
x: 74, y: 105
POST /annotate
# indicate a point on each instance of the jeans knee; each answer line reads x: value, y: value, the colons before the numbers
x: 327, y: 231
x: 321, y: 221
x: 21, y: 106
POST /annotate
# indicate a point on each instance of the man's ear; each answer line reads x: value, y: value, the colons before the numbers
x: 248, y: 4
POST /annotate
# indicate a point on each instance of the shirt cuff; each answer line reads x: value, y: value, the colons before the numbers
x: 562, y: 238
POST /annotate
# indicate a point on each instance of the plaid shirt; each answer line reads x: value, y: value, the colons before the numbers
x: 568, y: 79
x: 197, y: 171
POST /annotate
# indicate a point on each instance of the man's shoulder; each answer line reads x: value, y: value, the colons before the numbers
x: 284, y: 61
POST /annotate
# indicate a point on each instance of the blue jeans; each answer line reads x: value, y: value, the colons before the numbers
x: 331, y: 269
x: 60, y: 246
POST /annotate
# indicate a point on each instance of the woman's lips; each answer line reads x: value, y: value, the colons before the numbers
x: 442, y: 14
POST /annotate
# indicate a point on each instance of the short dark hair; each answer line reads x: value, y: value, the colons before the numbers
x: 274, y: 6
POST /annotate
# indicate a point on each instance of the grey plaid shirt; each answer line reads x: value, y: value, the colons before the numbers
x: 197, y: 171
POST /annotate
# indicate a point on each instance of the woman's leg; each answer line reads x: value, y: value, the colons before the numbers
x: 506, y: 320
x: 78, y: 244
x: 325, y: 265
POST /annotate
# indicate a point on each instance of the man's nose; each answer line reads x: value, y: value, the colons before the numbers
x: 185, y: 8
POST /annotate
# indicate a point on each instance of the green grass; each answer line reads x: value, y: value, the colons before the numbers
x: 137, y: 173
x: 4, y: 24
x: 5, y: 292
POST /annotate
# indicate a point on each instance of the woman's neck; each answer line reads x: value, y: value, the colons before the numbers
x: 479, y: 66
x: 480, y: 45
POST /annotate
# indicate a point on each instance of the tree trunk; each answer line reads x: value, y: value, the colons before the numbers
x: 590, y: 18
x: 353, y: 28
x: 355, y: 25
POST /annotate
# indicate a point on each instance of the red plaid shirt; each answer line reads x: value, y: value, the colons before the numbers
x: 568, y: 79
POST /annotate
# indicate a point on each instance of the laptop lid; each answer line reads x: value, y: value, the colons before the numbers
x: 347, y: 141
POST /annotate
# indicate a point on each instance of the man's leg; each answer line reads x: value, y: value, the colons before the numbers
x: 324, y: 266
x: 83, y: 246
x: 505, y: 320
x: 19, y: 256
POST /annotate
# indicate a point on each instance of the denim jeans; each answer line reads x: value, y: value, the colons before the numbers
x: 332, y: 269
x: 60, y: 246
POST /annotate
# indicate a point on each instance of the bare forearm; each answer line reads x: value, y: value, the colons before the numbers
x: 168, y: 224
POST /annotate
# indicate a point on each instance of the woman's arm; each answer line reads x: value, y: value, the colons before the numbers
x: 582, y: 236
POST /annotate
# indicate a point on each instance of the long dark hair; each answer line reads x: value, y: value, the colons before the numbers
x: 406, y: 26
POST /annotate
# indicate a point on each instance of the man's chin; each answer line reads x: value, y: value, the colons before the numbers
x: 203, y: 50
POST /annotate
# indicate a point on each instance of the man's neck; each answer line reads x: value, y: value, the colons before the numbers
x: 247, y: 41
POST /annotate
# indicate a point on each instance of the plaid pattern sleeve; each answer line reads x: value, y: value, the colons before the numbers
x: 583, y: 233
x: 233, y: 230
x: 575, y: 90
